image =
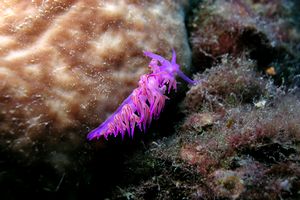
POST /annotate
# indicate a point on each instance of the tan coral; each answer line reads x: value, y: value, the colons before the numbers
x: 65, y: 65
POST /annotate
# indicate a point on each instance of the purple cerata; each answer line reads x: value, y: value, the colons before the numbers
x: 146, y: 101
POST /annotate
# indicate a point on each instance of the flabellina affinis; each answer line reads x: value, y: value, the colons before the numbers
x: 146, y: 101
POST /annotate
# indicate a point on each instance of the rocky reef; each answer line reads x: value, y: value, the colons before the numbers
x: 234, y: 135
x: 66, y: 65
x: 239, y: 134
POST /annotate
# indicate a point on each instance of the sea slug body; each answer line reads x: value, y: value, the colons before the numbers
x: 145, y: 102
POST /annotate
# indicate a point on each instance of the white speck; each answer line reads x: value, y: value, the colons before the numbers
x: 260, y: 104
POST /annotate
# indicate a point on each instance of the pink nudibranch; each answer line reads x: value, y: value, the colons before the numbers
x: 146, y: 101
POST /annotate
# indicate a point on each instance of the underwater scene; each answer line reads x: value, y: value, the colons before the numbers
x: 150, y: 99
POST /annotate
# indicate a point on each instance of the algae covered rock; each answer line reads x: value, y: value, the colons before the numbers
x: 65, y: 66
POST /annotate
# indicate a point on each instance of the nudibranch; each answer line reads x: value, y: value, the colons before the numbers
x: 146, y: 101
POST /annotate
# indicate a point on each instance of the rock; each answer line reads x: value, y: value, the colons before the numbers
x: 267, y: 31
x: 199, y: 121
x: 227, y: 184
x: 66, y: 65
